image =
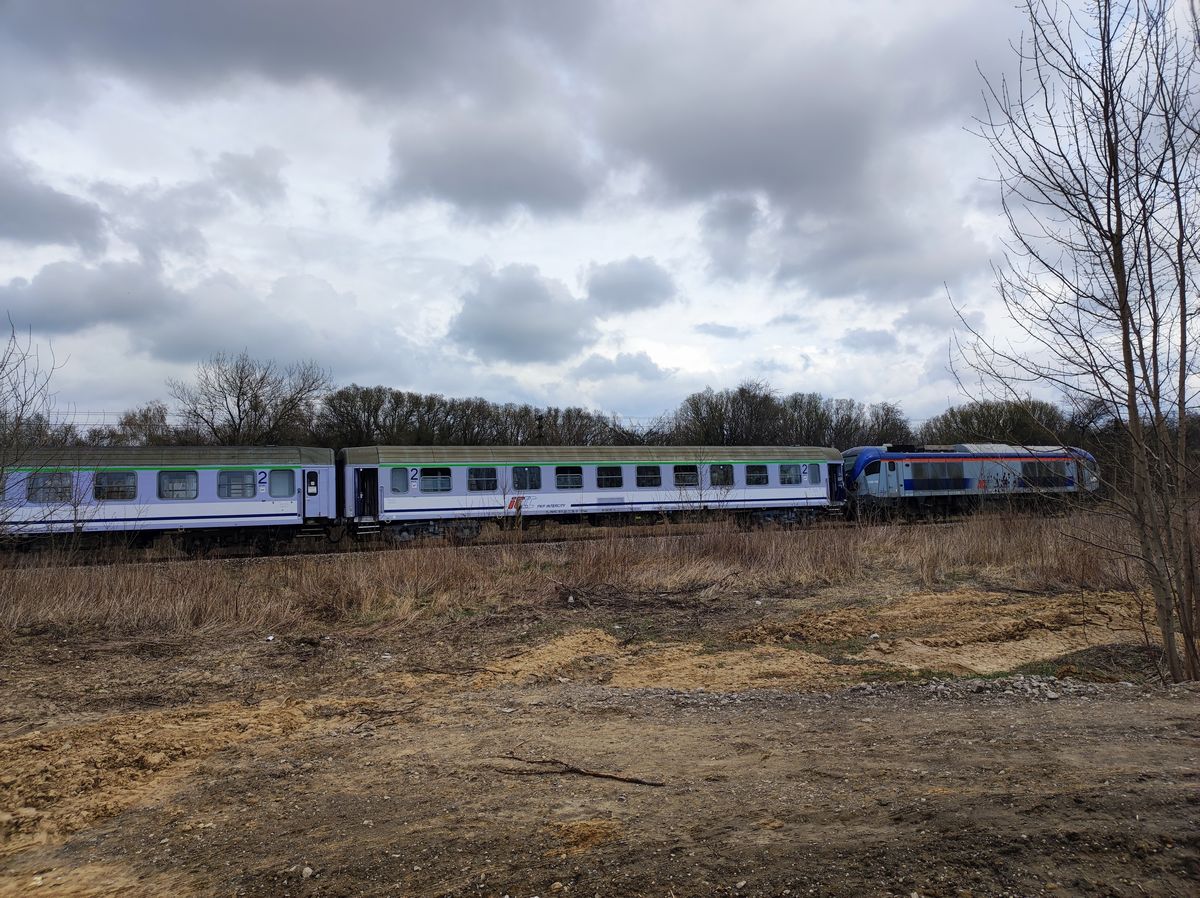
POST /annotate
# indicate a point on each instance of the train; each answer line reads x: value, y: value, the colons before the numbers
x: 262, y: 495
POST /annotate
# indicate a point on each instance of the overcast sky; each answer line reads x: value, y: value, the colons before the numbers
x: 609, y: 204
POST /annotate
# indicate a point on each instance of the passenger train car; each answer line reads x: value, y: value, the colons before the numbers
x: 224, y: 493
x: 412, y: 490
x: 895, y: 478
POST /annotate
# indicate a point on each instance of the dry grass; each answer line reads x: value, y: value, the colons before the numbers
x: 405, y: 586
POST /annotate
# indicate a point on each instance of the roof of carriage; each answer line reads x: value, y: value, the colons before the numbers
x: 581, y: 455
x: 168, y: 457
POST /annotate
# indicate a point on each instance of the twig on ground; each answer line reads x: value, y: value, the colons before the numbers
x: 554, y: 765
x: 454, y: 671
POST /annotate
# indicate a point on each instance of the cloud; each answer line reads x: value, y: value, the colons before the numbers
x: 936, y: 314
x: 67, y: 297
x: 637, y: 365
x: 489, y: 163
x: 630, y: 285
x: 721, y: 331
x: 34, y: 213
x: 865, y: 340
x: 516, y: 315
x: 255, y: 178
x: 158, y: 220
x: 377, y: 47
x: 728, y: 223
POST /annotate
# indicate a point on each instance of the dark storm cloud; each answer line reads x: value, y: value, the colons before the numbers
x: 882, y: 255
x: 867, y: 340
x: 516, y: 315
x: 490, y: 163
x: 382, y: 47
x: 33, y: 213
x: 68, y: 297
x: 635, y: 283
x: 725, y: 230
x: 722, y: 331
x: 637, y: 365
x: 255, y: 178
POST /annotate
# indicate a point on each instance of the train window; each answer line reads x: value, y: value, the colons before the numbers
x: 756, y: 475
x: 236, y: 485
x: 568, y: 477
x: 649, y: 475
x: 891, y: 466
x: 178, y: 484
x: 720, y: 475
x: 526, y: 479
x: 873, y: 468
x: 282, y: 484
x: 435, y: 480
x: 481, y: 480
x: 313, y: 483
x: 399, y: 480
x: 1044, y: 473
x: 791, y: 475
x: 938, y: 476
x: 114, y: 486
x: 609, y: 477
x: 47, y: 488
x: 687, y: 475
x: 814, y: 474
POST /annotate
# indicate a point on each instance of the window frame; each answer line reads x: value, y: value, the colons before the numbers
x: 642, y: 480
x: 722, y: 466
x: 132, y: 475
x: 58, y: 477
x: 474, y: 479
x: 601, y: 478
x: 522, y: 472
x: 291, y: 472
x: 766, y: 475
x: 223, y: 482
x: 195, y: 480
x: 423, y: 478
x: 792, y: 474
x: 568, y: 469
x: 695, y: 473
x: 392, y: 490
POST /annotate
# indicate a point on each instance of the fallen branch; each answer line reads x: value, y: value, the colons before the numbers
x: 454, y: 671
x: 554, y: 765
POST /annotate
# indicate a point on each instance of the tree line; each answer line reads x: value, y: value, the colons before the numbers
x: 238, y: 400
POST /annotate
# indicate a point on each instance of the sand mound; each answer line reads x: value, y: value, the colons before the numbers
x: 688, y: 666
x: 812, y: 626
x: 89, y: 881
x: 554, y: 658
x: 57, y: 782
x: 579, y: 836
x: 998, y: 632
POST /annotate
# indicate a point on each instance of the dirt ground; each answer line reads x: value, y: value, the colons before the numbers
x: 887, y: 741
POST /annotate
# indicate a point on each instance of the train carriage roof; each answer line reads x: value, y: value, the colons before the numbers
x: 580, y: 455
x: 170, y: 457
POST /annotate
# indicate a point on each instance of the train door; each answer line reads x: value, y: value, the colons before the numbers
x: 890, y: 478
x: 312, y: 490
x: 835, y: 488
x: 366, y: 492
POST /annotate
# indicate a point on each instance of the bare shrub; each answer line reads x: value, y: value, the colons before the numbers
x: 438, y: 582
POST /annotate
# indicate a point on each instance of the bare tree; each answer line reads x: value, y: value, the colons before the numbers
x: 26, y: 413
x: 1096, y: 145
x: 237, y: 400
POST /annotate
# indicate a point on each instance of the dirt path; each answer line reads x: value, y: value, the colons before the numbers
x: 462, y: 759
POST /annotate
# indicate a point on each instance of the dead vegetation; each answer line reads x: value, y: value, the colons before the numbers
x: 686, y: 570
